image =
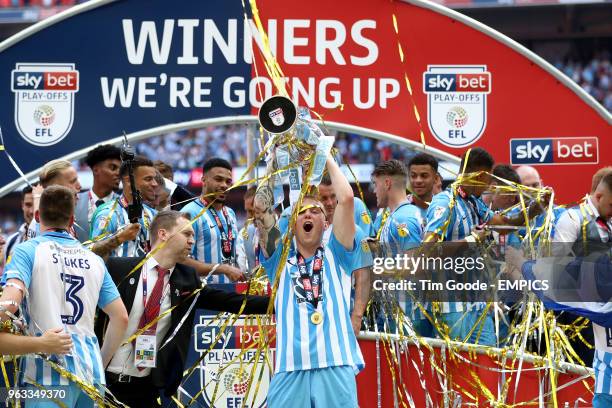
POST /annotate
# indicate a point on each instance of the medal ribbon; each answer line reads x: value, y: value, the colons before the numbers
x: 227, y: 238
x: 312, y: 280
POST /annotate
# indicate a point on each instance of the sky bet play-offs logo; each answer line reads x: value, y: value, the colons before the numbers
x: 225, y: 385
x: 555, y: 150
x: 457, y: 102
x: 44, y: 101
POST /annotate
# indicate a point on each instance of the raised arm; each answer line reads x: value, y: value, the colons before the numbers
x: 344, y: 219
x: 534, y: 209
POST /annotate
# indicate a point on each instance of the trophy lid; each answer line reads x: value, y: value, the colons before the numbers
x: 277, y: 114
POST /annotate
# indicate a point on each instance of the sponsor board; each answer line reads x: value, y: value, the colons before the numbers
x: 225, y: 374
x: 555, y: 150
x: 44, y: 101
x: 457, y: 102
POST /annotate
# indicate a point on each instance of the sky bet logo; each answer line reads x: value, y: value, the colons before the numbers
x: 560, y: 150
x: 479, y: 82
x: 45, y: 81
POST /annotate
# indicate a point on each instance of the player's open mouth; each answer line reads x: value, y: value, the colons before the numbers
x: 308, y: 226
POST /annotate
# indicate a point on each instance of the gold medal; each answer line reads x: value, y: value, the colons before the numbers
x: 316, y: 318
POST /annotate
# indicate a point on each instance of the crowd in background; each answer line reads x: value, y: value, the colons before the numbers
x: 594, y: 76
x: 185, y: 149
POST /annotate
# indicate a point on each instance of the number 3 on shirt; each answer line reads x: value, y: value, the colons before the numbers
x: 73, y: 284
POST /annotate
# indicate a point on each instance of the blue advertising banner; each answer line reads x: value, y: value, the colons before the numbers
x: 122, y: 66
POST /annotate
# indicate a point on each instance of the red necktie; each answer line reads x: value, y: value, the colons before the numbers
x: 153, y: 304
x: 151, y: 311
x: 601, y: 221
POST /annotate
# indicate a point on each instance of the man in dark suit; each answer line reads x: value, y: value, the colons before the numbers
x: 136, y: 376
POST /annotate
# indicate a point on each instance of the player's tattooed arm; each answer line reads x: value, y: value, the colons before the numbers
x: 265, y: 219
x: 105, y: 248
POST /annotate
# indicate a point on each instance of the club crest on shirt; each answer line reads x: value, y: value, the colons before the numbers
x: 365, y: 217
x: 402, y: 230
x: 365, y: 247
x: 438, y: 212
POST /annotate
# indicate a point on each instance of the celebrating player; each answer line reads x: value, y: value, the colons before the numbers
x: 317, y: 351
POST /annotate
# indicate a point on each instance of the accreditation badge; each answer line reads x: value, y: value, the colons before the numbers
x: 145, y: 353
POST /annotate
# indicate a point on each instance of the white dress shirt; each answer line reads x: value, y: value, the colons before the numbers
x: 123, y: 360
x: 569, y: 228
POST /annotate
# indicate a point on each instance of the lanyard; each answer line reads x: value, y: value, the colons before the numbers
x: 312, y: 280
x: 383, y: 222
x: 227, y: 238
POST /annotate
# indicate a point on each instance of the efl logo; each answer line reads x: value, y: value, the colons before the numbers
x: 560, y: 150
x: 457, y: 102
x: 44, y: 101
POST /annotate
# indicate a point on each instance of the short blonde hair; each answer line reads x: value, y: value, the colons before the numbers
x: 51, y: 170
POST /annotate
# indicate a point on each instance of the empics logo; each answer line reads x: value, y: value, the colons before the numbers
x: 560, y: 150
x: 457, y: 102
x: 44, y: 101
